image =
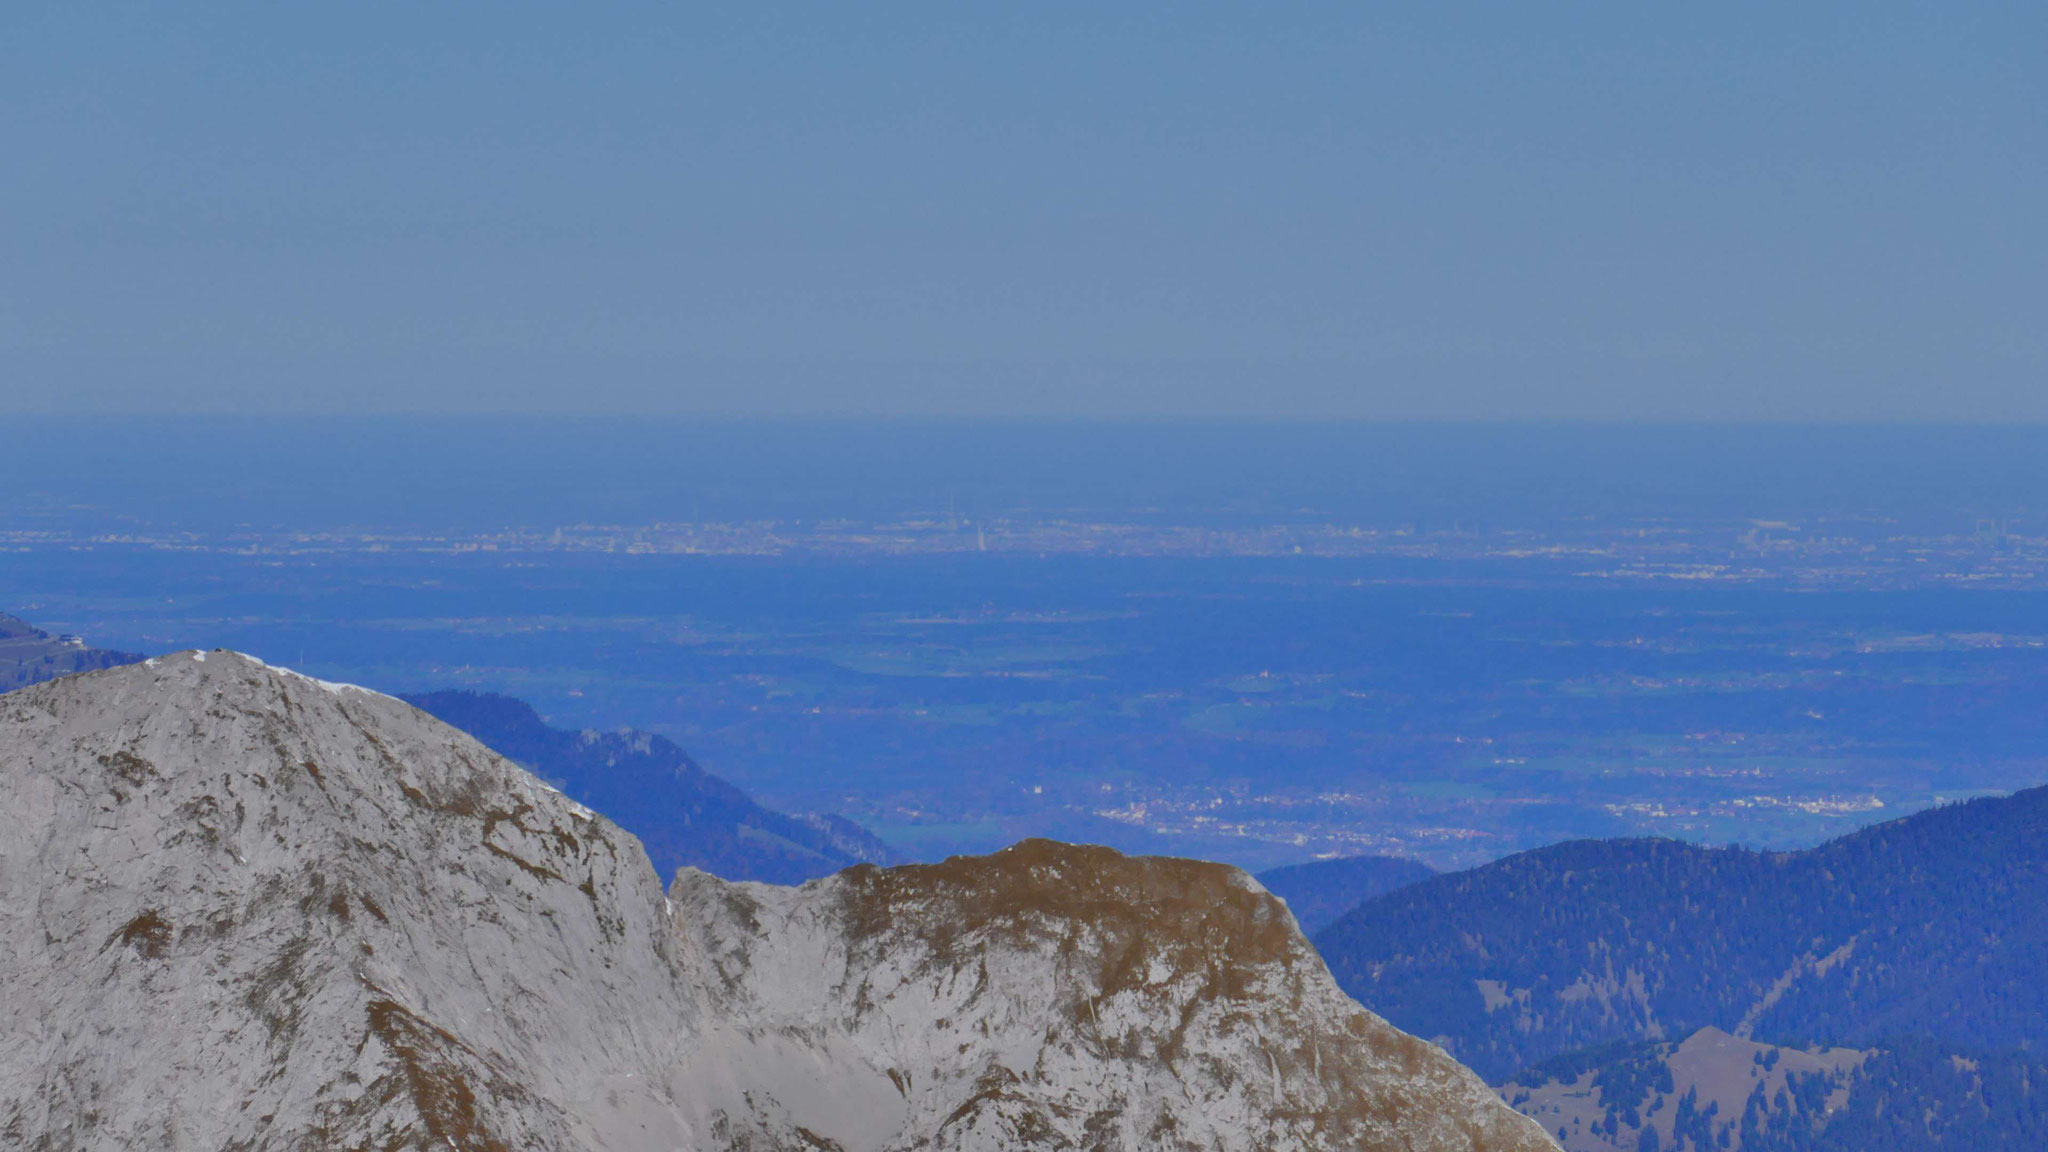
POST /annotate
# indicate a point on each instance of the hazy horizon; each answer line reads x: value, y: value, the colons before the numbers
x: 472, y: 471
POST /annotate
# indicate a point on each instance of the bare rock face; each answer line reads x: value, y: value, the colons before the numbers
x: 1053, y: 996
x: 242, y: 909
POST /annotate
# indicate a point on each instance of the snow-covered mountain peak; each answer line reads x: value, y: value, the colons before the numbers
x: 242, y: 908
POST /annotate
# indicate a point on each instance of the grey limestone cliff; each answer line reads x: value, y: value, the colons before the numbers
x: 242, y: 909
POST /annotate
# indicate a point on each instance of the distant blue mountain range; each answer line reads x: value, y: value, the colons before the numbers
x: 1320, y: 892
x: 29, y: 655
x: 649, y: 786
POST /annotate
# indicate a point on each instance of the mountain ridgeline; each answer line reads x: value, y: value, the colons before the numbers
x: 246, y: 909
x: 683, y: 815
x: 1928, y: 933
x: 1935, y: 924
x: 1320, y: 892
x: 29, y: 655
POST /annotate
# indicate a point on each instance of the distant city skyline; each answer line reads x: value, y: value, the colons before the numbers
x: 1824, y: 212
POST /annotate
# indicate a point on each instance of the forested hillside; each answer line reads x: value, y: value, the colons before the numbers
x: 1715, y: 1091
x: 1936, y: 924
x: 1319, y: 892
x: 1920, y: 945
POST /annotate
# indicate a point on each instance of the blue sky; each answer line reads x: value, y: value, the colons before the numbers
x: 1606, y: 211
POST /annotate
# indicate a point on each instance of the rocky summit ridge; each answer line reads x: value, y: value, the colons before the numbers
x: 244, y: 909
